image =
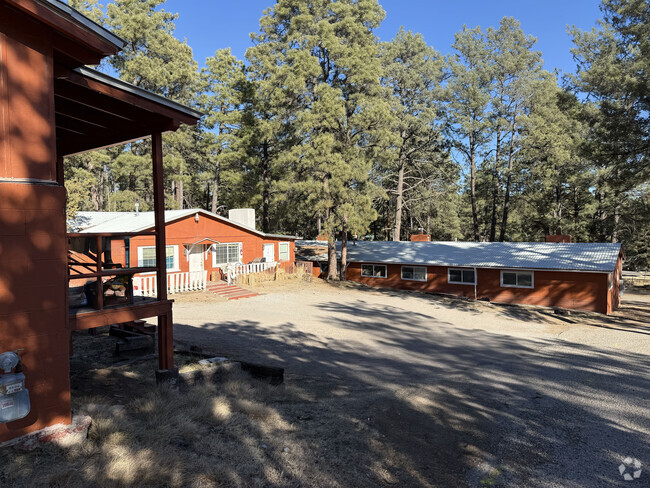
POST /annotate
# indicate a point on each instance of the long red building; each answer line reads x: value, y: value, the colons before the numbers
x: 580, y: 276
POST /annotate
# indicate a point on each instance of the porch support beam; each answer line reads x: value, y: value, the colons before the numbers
x: 165, y: 323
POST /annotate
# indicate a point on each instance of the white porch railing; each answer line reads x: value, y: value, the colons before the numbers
x: 233, y: 270
x: 146, y: 285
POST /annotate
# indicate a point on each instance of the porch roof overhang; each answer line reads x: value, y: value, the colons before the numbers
x: 94, y: 110
x: 76, y: 40
x: 204, y: 241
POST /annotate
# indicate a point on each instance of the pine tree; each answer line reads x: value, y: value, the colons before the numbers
x: 323, y: 59
x: 418, y: 162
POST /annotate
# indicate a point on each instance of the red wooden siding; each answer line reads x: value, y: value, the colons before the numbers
x: 187, y: 230
x: 33, y: 280
x: 572, y: 290
x: 27, y: 125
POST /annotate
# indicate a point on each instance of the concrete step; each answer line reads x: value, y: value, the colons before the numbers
x: 229, y: 292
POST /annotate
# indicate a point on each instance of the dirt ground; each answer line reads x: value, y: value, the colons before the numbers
x: 382, y: 388
x: 459, y: 392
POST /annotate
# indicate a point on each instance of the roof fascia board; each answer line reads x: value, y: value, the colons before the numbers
x: 123, y: 86
x: 442, y: 265
x: 217, y: 217
x: 69, y: 21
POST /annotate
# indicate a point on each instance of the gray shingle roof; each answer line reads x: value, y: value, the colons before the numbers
x: 115, y: 222
x: 526, y: 255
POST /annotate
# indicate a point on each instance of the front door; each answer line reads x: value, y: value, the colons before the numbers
x: 269, y: 252
x: 196, y: 258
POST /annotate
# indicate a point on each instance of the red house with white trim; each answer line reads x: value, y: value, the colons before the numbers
x: 196, y: 239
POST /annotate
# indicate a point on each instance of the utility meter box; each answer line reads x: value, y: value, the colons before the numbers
x: 14, y: 397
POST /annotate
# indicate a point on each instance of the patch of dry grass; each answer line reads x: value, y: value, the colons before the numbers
x: 236, y: 432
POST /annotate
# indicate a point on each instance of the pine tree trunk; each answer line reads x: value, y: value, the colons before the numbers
x: 495, y: 188
x: 617, y: 218
x: 506, y: 198
x: 344, y: 248
x: 472, y: 184
x: 331, y: 240
x: 319, y: 225
x: 215, y: 190
x: 495, y: 196
x: 266, y: 190
x: 400, y: 202
x: 331, y: 258
x: 180, y: 194
x: 506, y: 209
x: 100, y: 191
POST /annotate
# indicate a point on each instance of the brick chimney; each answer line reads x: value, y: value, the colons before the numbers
x: 558, y: 238
x: 420, y: 237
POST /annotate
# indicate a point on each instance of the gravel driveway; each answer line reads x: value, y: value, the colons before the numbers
x: 461, y: 393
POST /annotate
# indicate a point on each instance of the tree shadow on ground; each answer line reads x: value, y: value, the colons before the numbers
x: 402, y: 400
x: 458, y: 404
x: 632, y: 316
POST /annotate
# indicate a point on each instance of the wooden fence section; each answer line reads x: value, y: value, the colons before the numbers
x: 234, y: 270
x: 176, y: 283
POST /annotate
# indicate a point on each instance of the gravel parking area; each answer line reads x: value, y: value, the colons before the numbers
x: 453, y: 392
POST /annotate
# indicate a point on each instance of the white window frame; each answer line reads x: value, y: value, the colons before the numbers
x: 214, y: 254
x: 414, y: 268
x: 373, y: 271
x: 288, y: 251
x: 449, y: 270
x: 518, y: 272
x: 176, y: 267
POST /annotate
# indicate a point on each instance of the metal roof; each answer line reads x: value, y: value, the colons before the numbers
x: 127, y: 222
x: 135, y: 90
x: 599, y: 257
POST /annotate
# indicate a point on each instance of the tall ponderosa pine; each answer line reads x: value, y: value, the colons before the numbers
x: 225, y: 84
x: 155, y: 60
x: 516, y: 69
x: 323, y: 60
x: 614, y: 74
x: 418, y: 161
x: 468, y: 95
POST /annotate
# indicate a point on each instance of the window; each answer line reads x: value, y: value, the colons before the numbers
x: 147, y: 257
x: 414, y: 273
x: 225, y: 253
x: 461, y: 276
x: 373, y: 270
x: 283, y: 251
x: 517, y: 279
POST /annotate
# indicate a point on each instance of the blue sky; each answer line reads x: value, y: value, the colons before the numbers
x: 209, y: 25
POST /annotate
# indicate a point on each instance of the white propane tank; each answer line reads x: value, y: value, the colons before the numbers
x: 14, y: 397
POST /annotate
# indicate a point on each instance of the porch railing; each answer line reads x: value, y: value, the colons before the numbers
x: 176, y: 283
x: 232, y: 271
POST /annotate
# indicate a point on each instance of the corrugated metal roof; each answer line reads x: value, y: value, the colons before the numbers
x: 525, y: 255
x: 115, y: 222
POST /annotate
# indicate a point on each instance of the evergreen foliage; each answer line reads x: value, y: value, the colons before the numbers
x: 325, y: 130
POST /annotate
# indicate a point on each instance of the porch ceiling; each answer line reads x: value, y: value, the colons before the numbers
x: 93, y: 110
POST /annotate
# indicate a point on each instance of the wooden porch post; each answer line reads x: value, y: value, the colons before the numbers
x: 165, y: 323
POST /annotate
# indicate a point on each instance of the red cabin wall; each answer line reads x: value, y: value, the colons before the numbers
x: 33, y: 280
x: 572, y: 290
x: 187, y: 230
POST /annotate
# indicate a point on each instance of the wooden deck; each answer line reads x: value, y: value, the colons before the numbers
x: 141, y: 308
